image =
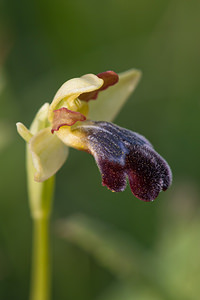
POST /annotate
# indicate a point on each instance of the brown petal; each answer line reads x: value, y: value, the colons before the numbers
x: 109, y: 78
x: 65, y: 117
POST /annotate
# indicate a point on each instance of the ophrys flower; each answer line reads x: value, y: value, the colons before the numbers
x: 75, y: 121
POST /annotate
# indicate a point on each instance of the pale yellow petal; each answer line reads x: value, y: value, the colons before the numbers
x: 71, y: 89
x: 24, y: 132
x: 110, y: 101
x: 48, y: 154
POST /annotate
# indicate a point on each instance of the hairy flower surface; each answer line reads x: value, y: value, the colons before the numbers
x: 75, y: 121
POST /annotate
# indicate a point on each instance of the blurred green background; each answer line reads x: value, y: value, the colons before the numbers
x: 105, y: 246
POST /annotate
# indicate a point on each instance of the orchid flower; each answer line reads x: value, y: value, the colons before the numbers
x: 79, y: 117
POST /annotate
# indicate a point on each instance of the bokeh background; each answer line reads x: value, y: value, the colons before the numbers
x: 105, y: 245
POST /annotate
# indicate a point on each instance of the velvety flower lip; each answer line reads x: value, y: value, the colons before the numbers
x: 109, y: 78
x: 121, y: 153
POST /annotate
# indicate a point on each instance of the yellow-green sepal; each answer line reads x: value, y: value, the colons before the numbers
x: 110, y: 101
x: 48, y: 154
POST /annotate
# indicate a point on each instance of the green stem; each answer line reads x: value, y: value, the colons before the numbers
x: 40, y: 200
x: 40, y: 285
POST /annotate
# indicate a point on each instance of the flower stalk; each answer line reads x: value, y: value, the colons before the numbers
x: 40, y: 200
x: 40, y: 196
x: 40, y: 281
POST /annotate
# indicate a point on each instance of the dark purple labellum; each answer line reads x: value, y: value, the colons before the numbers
x: 121, y: 153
